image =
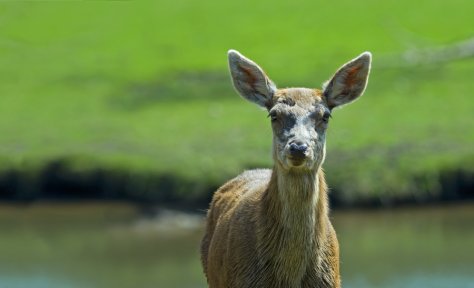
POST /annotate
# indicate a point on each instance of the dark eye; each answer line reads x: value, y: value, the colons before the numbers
x: 272, y: 116
x: 326, y: 117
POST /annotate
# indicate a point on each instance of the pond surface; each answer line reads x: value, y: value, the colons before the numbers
x: 114, y: 245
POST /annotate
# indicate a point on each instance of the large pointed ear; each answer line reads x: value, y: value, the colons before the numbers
x: 349, y: 82
x: 250, y: 80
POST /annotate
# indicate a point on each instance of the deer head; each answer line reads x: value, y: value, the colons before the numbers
x: 299, y: 116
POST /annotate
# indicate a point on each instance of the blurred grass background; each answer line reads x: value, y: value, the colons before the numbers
x: 133, y: 100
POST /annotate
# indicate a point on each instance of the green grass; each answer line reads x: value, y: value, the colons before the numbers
x: 143, y: 87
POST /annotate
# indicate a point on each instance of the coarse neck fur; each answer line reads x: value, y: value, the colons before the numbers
x: 294, y: 208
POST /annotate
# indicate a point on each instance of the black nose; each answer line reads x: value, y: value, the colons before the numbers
x: 298, y: 149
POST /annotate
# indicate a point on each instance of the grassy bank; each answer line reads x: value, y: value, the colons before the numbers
x: 136, y: 97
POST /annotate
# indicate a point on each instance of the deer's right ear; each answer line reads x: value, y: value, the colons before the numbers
x: 250, y: 80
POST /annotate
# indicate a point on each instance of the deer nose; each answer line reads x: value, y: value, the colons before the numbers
x: 298, y: 149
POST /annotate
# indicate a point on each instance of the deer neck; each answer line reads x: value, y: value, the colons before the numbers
x: 298, y: 194
x: 294, y: 207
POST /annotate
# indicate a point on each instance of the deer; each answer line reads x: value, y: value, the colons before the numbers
x: 271, y: 227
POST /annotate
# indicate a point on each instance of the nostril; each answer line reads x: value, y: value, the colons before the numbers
x: 303, y: 147
x: 294, y: 147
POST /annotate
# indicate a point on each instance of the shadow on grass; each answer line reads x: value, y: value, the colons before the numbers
x: 59, y: 180
x: 454, y: 185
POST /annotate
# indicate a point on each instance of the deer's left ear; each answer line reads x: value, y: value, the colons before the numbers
x: 349, y: 82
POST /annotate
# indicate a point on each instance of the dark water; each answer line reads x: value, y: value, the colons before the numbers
x: 112, y: 245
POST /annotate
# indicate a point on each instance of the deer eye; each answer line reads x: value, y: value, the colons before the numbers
x: 273, y: 116
x: 326, y: 117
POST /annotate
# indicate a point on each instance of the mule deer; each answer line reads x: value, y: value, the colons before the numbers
x: 270, y: 228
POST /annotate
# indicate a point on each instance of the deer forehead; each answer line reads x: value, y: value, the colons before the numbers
x: 298, y: 101
x: 302, y: 97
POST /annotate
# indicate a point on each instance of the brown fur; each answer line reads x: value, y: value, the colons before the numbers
x: 270, y: 228
x: 247, y: 242
x: 247, y: 245
x: 301, y: 96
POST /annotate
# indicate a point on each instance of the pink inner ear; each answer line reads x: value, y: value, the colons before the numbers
x: 352, y: 76
x: 250, y: 77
